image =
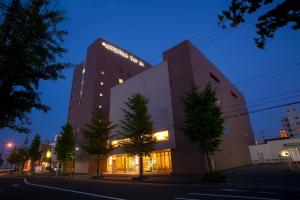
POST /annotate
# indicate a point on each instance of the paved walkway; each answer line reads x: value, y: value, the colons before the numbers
x: 266, y: 176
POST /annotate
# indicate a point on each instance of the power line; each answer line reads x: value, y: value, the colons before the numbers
x: 262, y: 109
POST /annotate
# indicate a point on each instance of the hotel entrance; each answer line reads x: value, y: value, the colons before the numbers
x: 159, y: 162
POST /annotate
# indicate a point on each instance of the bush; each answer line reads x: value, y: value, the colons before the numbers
x: 213, y: 177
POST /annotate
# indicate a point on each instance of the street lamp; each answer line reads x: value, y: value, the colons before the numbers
x: 8, y: 145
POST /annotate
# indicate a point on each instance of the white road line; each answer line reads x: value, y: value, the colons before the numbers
x: 232, y: 196
x: 15, y: 185
x: 230, y: 190
x: 74, y: 191
x: 270, y: 193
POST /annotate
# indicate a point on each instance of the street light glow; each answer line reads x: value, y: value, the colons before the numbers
x: 9, y: 145
x: 77, y: 148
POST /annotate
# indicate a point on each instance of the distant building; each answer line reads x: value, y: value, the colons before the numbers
x: 276, y: 150
x: 291, y: 122
x: 282, y: 134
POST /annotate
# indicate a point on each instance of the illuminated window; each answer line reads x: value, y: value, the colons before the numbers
x: 101, y: 83
x: 102, y: 72
x: 120, y: 80
x: 100, y: 106
x: 159, y: 136
x: 162, y: 135
x: 100, y: 94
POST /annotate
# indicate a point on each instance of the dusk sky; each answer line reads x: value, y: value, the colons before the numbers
x: 147, y: 28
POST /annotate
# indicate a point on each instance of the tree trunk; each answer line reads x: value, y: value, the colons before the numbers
x: 57, y: 166
x: 98, y: 160
x: 22, y: 167
x: 32, y: 167
x: 141, y: 167
x: 208, y: 161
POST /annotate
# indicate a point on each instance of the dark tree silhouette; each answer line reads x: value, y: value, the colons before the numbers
x: 30, y: 45
x: 287, y: 12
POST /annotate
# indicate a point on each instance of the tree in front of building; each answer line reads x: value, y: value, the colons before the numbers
x: 22, y: 155
x: 203, y: 123
x: 34, y: 151
x: 65, y: 146
x: 138, y: 139
x: 284, y: 13
x: 97, y: 133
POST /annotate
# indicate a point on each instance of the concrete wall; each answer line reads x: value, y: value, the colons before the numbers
x: 188, y: 66
x: 260, y: 153
x: 154, y: 85
x: 271, y: 151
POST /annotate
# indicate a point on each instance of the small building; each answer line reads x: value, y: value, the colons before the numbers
x: 291, y: 122
x: 276, y: 150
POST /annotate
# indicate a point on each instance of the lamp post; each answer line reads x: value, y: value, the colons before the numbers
x: 8, y: 145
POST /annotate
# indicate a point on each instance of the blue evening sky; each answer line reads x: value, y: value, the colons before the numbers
x: 147, y: 28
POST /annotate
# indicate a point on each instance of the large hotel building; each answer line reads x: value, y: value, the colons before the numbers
x: 110, y: 75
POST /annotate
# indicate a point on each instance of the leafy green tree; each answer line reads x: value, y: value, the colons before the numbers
x: 97, y: 134
x: 34, y: 151
x: 65, y: 145
x: 203, y: 123
x: 30, y: 45
x: 284, y: 13
x: 138, y: 136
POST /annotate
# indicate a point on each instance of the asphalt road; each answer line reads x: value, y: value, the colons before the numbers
x: 65, y: 188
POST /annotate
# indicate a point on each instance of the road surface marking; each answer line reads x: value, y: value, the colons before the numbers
x: 179, y: 198
x: 232, y: 196
x: 74, y: 191
x: 15, y: 185
x: 230, y: 190
x: 269, y: 192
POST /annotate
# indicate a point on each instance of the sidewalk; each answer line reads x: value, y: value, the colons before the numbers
x: 255, y: 176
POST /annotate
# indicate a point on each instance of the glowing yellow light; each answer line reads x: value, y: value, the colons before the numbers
x: 162, y: 135
x: 48, y: 154
x: 284, y: 153
x: 159, y: 136
x: 136, y: 160
x: 120, y: 80
x: 110, y: 160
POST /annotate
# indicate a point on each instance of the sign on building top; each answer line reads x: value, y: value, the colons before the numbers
x: 123, y: 53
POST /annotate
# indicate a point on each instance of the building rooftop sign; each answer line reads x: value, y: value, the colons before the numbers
x: 122, y: 53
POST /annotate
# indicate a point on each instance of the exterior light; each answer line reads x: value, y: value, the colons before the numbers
x: 9, y: 145
x: 102, y: 72
x: 284, y: 153
x: 77, y: 148
x: 101, y: 83
x: 83, y: 70
x: 120, y: 80
x: 48, y: 154
x: 110, y: 160
x: 136, y: 160
x: 100, y: 106
x: 100, y: 94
